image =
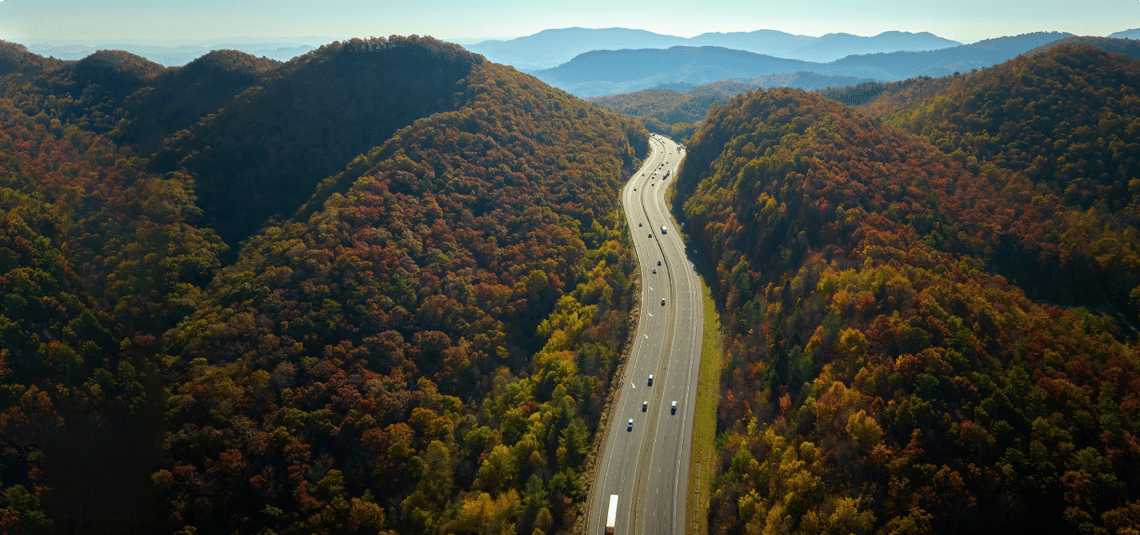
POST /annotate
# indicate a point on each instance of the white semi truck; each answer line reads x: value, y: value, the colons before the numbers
x: 611, y: 518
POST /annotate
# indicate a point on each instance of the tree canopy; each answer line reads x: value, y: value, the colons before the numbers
x: 886, y: 369
x: 417, y: 335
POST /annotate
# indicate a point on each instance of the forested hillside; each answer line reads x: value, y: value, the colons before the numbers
x: 1068, y: 123
x: 97, y: 260
x: 263, y: 153
x: 421, y: 341
x: 887, y: 370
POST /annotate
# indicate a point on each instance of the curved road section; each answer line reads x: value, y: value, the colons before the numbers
x: 647, y: 465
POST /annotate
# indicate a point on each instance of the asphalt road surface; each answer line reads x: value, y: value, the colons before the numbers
x: 648, y: 466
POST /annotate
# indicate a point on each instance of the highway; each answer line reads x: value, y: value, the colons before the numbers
x: 648, y: 466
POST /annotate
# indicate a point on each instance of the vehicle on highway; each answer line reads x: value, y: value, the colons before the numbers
x: 630, y: 426
x: 662, y: 301
x: 664, y: 230
x: 650, y: 382
x: 673, y: 408
x: 644, y: 406
x: 639, y: 224
x: 654, y: 271
x: 659, y: 262
x: 650, y: 234
x: 611, y: 518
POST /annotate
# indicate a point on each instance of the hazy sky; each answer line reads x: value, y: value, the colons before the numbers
x: 962, y: 20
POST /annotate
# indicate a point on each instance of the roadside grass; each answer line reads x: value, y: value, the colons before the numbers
x: 702, y: 467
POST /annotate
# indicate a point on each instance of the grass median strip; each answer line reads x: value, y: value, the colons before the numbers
x: 702, y: 467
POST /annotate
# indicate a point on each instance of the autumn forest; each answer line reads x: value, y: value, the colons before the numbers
x: 387, y: 287
x: 929, y: 302
x: 406, y: 320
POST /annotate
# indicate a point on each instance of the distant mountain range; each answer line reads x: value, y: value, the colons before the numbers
x: 603, y: 72
x: 174, y: 54
x: 676, y: 108
x: 543, y: 50
x: 550, y: 48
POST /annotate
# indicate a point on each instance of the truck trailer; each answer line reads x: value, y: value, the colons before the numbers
x: 611, y: 518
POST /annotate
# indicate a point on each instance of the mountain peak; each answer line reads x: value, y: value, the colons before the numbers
x: 116, y: 70
x: 15, y: 57
x: 229, y: 61
x: 412, y: 48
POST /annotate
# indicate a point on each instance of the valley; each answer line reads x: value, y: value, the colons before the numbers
x: 393, y: 286
x: 645, y: 457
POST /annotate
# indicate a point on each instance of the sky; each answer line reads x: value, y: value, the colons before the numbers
x: 177, y: 20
